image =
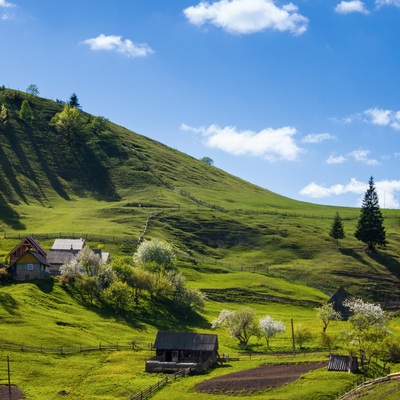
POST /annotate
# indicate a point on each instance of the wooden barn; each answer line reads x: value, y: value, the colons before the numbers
x: 337, y: 300
x: 28, y: 261
x: 183, y: 350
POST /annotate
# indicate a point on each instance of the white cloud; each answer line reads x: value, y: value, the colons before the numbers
x: 270, y: 144
x: 317, y: 137
x: 336, y: 159
x: 248, y: 16
x: 317, y: 191
x: 380, y: 3
x: 386, y: 190
x: 347, y: 7
x: 115, y: 43
x: 377, y: 116
x: 362, y: 156
x: 6, y: 4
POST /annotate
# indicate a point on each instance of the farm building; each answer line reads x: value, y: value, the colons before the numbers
x: 337, y: 300
x: 62, y: 252
x: 342, y: 363
x: 27, y: 260
x: 181, y: 350
x: 65, y: 250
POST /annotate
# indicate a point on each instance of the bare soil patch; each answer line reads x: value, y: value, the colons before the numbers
x: 257, y: 379
x: 16, y: 394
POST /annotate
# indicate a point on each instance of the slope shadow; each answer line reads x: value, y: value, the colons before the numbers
x: 352, y: 253
x: 390, y: 263
x: 8, y: 303
x: 9, y: 216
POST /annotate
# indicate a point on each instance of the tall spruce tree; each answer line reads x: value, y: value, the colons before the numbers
x: 370, y: 229
x: 337, y: 230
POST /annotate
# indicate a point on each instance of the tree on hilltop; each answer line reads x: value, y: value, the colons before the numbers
x: 337, y: 230
x: 33, y: 90
x: 73, y: 101
x: 370, y: 229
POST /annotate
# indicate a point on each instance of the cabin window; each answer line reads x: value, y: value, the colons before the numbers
x: 30, y: 267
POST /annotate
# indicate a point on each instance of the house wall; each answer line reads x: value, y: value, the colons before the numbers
x: 28, y: 268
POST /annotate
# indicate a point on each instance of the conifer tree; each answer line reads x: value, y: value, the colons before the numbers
x: 337, y: 230
x: 370, y: 229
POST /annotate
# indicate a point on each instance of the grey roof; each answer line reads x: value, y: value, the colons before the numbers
x: 342, y: 363
x: 68, y: 244
x: 186, y: 341
x: 59, y: 257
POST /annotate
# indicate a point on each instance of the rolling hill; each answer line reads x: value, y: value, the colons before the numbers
x: 102, y: 181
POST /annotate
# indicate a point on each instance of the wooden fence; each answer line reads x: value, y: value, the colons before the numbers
x: 144, y: 394
x: 70, y: 350
x: 363, y: 385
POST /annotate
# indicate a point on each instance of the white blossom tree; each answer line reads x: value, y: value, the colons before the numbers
x: 89, y: 261
x: 156, y: 253
x: 240, y: 324
x: 370, y: 327
x: 70, y: 270
x: 270, y: 327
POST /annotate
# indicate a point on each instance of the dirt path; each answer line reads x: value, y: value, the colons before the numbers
x: 256, y: 379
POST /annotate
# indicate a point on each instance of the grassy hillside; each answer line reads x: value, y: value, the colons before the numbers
x: 238, y: 243
x: 103, y: 182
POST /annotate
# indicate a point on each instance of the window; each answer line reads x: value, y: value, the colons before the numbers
x: 30, y: 267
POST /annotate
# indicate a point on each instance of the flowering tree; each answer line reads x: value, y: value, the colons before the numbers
x: 89, y: 261
x: 70, y: 271
x: 270, y: 327
x: 369, y: 324
x: 240, y: 324
x: 156, y: 253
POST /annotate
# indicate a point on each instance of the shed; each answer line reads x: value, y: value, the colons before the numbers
x: 342, y: 363
x: 337, y: 300
x: 62, y: 252
x: 181, y: 350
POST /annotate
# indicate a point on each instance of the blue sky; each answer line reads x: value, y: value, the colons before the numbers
x: 301, y: 98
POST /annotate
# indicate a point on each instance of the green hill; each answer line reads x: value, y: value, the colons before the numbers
x: 238, y: 243
x: 103, y: 182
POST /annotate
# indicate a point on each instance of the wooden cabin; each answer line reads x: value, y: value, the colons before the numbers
x: 31, y: 265
x: 28, y: 261
x: 183, y: 350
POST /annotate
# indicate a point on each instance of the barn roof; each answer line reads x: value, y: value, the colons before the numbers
x: 68, y: 244
x: 186, y: 341
x: 342, y: 363
x: 59, y: 257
